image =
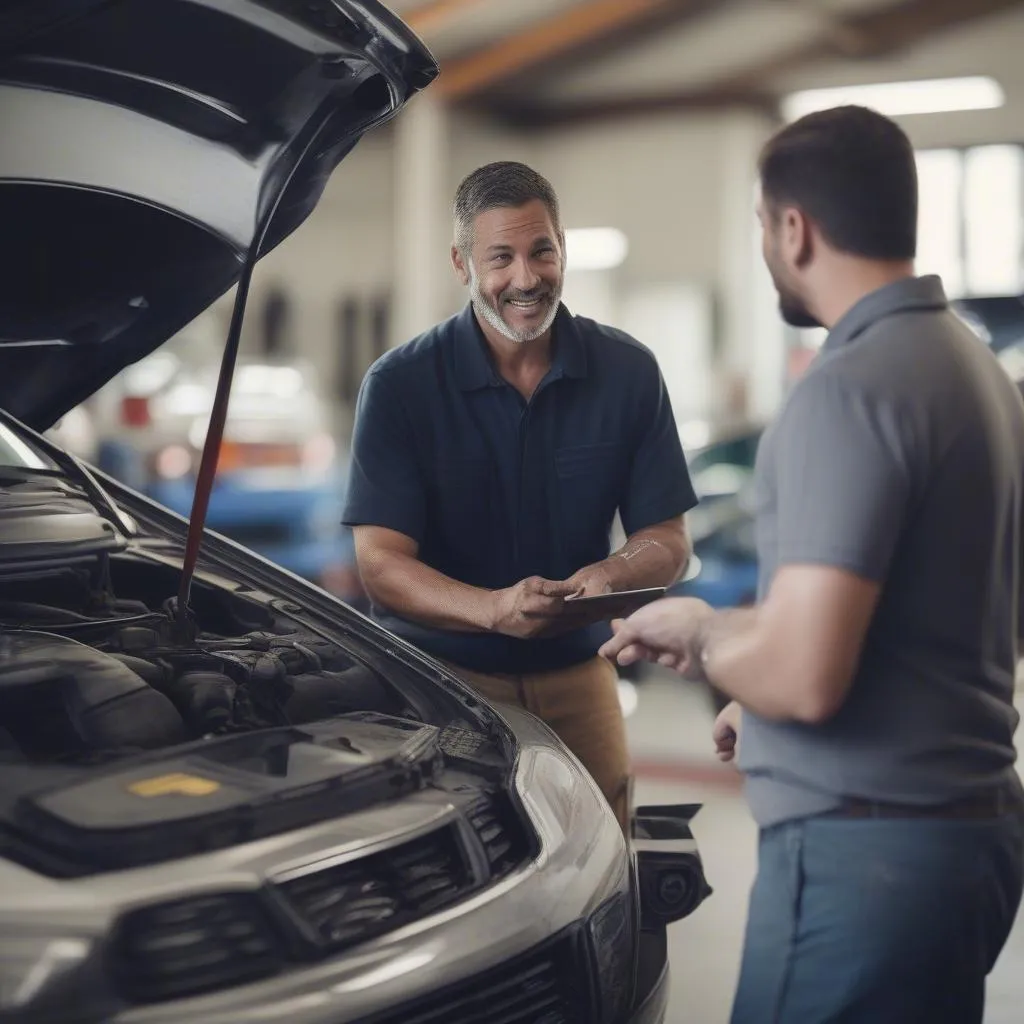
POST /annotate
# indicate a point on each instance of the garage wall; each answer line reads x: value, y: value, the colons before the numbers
x: 676, y: 186
x: 660, y: 181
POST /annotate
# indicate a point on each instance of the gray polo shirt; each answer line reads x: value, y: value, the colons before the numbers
x: 899, y: 457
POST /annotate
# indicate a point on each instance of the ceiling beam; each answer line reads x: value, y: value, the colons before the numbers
x: 549, y: 44
x: 430, y: 17
x: 865, y: 36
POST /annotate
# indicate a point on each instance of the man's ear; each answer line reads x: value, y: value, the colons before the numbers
x: 797, y: 236
x: 461, y: 268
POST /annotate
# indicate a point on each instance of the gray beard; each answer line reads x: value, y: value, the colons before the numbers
x: 497, y: 321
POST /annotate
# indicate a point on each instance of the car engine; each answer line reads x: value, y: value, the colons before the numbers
x: 90, y: 669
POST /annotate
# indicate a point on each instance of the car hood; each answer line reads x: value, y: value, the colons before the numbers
x: 148, y: 146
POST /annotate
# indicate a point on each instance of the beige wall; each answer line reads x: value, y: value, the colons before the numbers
x: 679, y: 187
x: 663, y: 181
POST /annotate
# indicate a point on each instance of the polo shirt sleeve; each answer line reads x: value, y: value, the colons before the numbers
x: 659, y: 486
x: 385, y: 484
x: 843, y: 478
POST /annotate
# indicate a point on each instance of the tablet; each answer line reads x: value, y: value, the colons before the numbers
x: 614, y: 605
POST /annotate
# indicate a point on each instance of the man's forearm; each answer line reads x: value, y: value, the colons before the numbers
x: 655, y: 557
x: 729, y: 650
x: 410, y: 588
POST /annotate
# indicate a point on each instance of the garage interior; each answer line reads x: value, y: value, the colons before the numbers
x: 647, y: 116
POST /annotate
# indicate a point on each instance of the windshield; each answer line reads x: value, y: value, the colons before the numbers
x: 14, y: 452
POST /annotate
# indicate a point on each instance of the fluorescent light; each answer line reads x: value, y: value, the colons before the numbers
x: 894, y: 99
x: 595, y: 248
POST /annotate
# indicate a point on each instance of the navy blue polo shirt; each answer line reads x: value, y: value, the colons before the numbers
x: 494, y: 488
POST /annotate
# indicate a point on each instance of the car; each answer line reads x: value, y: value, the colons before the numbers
x: 723, y: 569
x: 227, y: 796
x: 280, y: 481
x: 722, y: 524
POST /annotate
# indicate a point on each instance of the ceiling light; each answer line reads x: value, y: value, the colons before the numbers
x: 894, y: 99
x: 595, y: 248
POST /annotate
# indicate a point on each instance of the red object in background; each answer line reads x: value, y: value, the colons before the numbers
x: 135, y: 411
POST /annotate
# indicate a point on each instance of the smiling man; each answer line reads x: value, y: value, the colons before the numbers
x: 489, y: 458
x: 876, y: 673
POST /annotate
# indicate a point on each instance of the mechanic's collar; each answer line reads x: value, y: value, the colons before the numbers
x: 911, y: 293
x: 474, y: 367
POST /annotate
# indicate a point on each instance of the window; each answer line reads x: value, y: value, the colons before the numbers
x: 969, y: 219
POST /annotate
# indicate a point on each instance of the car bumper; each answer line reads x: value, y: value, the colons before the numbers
x: 654, y: 1004
x: 538, y: 927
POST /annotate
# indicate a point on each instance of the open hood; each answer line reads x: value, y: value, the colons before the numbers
x: 148, y: 146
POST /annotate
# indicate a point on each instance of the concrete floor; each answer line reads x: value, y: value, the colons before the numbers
x: 670, y: 737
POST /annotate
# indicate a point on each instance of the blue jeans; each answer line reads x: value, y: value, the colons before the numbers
x: 878, y: 921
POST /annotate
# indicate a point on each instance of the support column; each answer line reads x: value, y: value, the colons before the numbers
x: 422, y: 224
x: 753, y: 337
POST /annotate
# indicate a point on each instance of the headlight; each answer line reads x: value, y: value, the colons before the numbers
x: 579, y: 832
x: 31, y: 965
x: 565, y: 803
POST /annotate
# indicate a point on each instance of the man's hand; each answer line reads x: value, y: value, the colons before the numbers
x: 530, y: 609
x: 726, y: 732
x: 590, y: 581
x: 662, y: 632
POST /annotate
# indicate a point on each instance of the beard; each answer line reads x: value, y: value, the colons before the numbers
x: 491, y: 312
x: 792, y: 308
x: 795, y: 313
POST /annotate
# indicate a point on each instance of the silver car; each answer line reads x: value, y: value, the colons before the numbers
x: 227, y: 797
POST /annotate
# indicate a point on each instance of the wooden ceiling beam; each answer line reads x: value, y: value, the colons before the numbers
x: 548, y: 44
x: 430, y: 17
x: 865, y: 36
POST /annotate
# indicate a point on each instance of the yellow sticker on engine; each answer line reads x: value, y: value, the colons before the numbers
x: 175, y: 784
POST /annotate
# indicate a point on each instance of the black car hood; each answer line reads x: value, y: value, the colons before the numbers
x: 143, y: 144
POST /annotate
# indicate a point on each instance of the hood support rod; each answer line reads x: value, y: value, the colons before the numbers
x: 218, y: 414
x: 214, y: 438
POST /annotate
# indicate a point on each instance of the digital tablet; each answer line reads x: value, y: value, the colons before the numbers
x: 614, y: 605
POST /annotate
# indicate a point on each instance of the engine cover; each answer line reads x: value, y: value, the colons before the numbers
x: 220, y: 792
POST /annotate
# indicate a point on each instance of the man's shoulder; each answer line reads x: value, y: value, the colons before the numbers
x: 613, y: 343
x: 407, y: 360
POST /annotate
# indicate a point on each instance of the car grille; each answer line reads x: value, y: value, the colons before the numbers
x: 542, y: 987
x: 197, y: 945
x: 499, y: 830
x: 208, y: 943
x: 364, y: 898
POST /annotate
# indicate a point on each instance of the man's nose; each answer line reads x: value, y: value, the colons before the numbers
x: 526, y: 277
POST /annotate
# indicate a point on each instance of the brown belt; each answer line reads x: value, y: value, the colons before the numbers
x: 992, y: 803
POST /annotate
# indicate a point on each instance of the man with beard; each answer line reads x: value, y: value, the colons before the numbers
x: 490, y: 456
x: 876, y: 672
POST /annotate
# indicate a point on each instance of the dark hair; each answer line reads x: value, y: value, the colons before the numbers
x: 504, y: 183
x: 852, y: 172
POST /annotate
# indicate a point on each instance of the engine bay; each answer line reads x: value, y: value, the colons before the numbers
x: 94, y: 666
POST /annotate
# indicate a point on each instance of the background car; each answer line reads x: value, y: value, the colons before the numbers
x: 280, y: 479
x: 722, y: 525
x: 226, y: 795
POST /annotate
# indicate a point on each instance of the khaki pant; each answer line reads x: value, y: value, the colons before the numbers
x: 581, y: 704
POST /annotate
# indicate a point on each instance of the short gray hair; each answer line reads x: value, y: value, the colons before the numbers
x: 504, y: 183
